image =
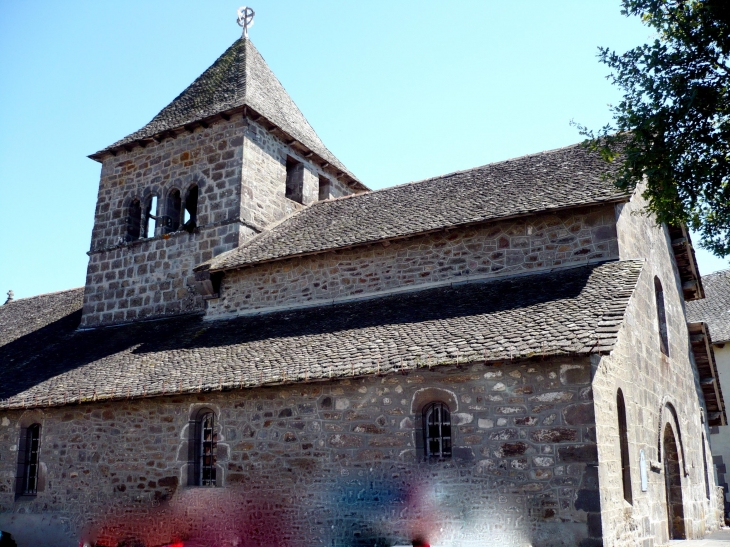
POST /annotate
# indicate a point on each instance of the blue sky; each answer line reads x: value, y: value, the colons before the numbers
x: 399, y: 91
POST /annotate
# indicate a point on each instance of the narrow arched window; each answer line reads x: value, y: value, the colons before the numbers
x: 207, y: 449
x: 190, y: 214
x: 624, y: 446
x: 173, y: 211
x: 31, y: 446
x: 661, y: 316
x: 704, y: 461
x: 150, y: 217
x: 134, y: 220
x: 437, y: 430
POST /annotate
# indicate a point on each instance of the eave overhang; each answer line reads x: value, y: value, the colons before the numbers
x: 253, y: 116
x: 684, y: 256
x: 701, y: 342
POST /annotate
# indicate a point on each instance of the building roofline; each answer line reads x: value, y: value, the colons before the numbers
x: 45, y: 294
x: 386, y: 241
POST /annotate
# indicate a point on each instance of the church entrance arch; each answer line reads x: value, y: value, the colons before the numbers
x: 673, y: 485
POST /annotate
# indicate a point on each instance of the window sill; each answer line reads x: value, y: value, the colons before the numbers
x: 25, y: 497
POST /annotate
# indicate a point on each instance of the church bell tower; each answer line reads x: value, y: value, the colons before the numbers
x: 226, y: 158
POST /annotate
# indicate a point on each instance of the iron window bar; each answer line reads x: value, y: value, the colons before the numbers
x: 207, y: 450
x: 437, y: 431
x: 32, y: 448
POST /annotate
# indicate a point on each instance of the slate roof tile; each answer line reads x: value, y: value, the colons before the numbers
x: 550, y: 313
x: 24, y: 316
x: 714, y: 308
x: 567, y: 177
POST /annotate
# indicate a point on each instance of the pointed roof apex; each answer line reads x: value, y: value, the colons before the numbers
x: 239, y: 80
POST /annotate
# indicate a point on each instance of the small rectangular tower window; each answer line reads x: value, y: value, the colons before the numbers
x: 324, y: 188
x: 294, y: 180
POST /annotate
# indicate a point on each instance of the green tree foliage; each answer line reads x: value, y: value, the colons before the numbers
x: 673, y: 123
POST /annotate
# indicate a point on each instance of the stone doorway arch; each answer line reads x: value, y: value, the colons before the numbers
x: 673, y: 485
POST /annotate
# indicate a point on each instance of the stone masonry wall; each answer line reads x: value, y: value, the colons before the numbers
x: 332, y: 463
x: 263, y: 199
x: 153, y: 277
x: 241, y: 190
x: 521, y: 245
x: 649, y: 381
x: 210, y: 158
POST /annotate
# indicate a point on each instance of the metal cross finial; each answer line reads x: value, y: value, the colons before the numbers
x: 245, y: 19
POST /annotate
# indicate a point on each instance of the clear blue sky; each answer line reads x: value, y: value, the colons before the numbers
x: 399, y: 91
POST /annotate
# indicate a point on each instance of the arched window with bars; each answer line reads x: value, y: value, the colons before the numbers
x: 437, y: 430
x: 203, y: 443
x: 29, y: 460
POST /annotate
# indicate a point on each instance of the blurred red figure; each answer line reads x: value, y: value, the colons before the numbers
x: 420, y: 543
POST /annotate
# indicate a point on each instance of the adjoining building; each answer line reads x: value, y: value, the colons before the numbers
x: 267, y: 353
x: 714, y: 311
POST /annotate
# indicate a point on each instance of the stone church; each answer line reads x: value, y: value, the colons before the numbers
x: 267, y: 353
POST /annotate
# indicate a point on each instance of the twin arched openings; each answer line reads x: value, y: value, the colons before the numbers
x: 145, y: 218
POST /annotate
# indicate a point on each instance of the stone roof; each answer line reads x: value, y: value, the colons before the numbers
x: 26, y: 316
x: 714, y: 309
x: 569, y: 311
x: 240, y: 77
x: 549, y: 181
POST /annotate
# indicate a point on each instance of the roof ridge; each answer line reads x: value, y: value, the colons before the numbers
x: 453, y: 173
x: 45, y: 294
x: 724, y: 271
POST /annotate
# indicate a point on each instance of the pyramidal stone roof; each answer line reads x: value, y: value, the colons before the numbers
x: 240, y: 77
